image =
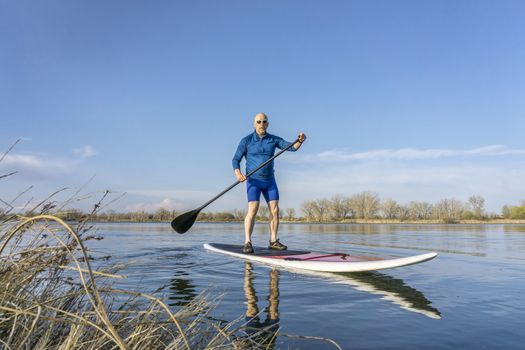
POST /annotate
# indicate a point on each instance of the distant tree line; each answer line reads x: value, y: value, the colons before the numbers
x: 361, y: 206
x: 113, y: 216
x: 167, y: 215
x: 159, y: 215
x: 367, y: 205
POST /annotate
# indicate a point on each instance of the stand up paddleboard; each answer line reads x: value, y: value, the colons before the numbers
x: 312, y: 261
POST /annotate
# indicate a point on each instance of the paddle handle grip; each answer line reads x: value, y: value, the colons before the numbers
x: 249, y: 174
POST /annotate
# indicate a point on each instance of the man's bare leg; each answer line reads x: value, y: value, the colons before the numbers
x: 273, y: 206
x: 249, y: 220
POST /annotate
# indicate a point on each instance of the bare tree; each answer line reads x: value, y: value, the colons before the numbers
x: 365, y: 204
x: 239, y: 214
x: 290, y: 213
x: 420, y: 210
x: 389, y: 209
x: 477, y: 205
x: 321, y: 209
x: 139, y: 216
x: 110, y: 215
x: 162, y: 214
x: 223, y: 216
x: 203, y: 216
x: 448, y: 210
x: 403, y: 212
x: 371, y: 204
x: 351, y: 213
x: 263, y: 212
x: 308, y: 208
x: 338, y: 207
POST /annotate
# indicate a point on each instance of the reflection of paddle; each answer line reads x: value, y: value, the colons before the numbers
x: 183, y: 222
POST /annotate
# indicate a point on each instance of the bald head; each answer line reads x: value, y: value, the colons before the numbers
x: 260, y: 123
x: 260, y: 116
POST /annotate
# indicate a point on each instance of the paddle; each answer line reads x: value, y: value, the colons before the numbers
x: 183, y: 222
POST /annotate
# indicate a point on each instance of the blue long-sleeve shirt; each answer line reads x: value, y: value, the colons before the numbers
x: 257, y: 150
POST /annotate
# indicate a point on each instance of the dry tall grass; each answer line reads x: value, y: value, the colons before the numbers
x: 52, y: 298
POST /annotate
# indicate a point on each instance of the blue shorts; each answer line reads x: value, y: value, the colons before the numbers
x: 254, y: 188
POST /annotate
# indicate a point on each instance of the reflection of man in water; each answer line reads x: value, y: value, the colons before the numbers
x: 262, y: 332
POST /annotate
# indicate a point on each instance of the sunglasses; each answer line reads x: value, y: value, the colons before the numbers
x: 262, y: 121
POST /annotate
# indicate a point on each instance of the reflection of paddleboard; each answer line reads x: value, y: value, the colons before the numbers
x: 392, y: 289
x: 306, y: 260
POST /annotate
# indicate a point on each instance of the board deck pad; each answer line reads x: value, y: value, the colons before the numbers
x: 318, y: 261
x: 259, y: 251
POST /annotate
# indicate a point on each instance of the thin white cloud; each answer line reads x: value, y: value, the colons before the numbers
x: 43, y: 166
x: 166, y: 203
x: 85, y: 152
x: 413, y: 154
x: 35, y: 166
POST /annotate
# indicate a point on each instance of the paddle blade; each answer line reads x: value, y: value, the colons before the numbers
x: 183, y: 222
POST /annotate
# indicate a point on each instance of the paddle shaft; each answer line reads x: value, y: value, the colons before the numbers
x: 248, y: 175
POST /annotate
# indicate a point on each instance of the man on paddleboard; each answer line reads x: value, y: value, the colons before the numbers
x: 257, y: 148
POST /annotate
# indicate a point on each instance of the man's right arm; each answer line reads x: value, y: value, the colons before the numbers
x: 236, y: 161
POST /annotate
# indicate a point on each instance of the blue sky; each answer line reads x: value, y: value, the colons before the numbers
x: 416, y: 100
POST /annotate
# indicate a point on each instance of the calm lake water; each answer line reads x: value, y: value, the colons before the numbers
x: 472, y: 296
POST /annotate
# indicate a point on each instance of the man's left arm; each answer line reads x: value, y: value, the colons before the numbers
x: 282, y: 144
x: 300, y: 139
